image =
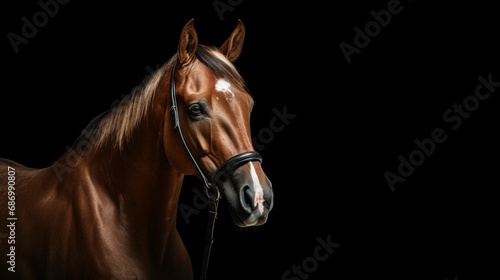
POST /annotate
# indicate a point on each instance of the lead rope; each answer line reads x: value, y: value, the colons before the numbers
x: 212, y: 215
x: 212, y: 193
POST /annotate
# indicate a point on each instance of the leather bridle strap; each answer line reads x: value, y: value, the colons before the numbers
x: 175, y: 112
x: 231, y: 164
x: 219, y: 176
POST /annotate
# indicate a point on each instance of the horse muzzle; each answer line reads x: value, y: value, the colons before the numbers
x: 246, y: 188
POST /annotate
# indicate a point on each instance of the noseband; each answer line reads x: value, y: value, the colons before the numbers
x: 220, y: 174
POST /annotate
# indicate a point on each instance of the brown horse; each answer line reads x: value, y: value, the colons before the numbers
x: 107, y: 208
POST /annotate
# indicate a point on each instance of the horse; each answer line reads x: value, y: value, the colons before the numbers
x: 107, y: 207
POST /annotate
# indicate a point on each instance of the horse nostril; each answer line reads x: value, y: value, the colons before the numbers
x: 247, y: 197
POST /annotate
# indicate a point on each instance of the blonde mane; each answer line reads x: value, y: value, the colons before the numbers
x: 118, y: 123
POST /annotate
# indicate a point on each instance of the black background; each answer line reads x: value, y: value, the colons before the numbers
x: 352, y: 122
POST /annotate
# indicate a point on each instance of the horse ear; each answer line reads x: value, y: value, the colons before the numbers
x: 233, y: 45
x: 188, y: 43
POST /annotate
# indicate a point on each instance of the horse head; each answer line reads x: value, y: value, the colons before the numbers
x: 212, y: 104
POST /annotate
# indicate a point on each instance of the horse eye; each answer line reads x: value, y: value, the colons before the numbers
x: 196, y: 110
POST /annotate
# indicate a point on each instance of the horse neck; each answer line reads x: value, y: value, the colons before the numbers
x: 140, y: 173
x: 138, y: 180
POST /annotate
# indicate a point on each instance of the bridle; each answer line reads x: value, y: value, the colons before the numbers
x: 221, y: 173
